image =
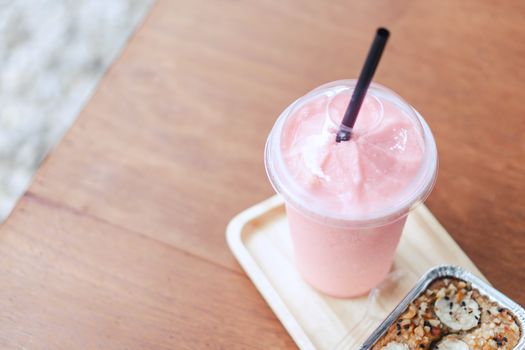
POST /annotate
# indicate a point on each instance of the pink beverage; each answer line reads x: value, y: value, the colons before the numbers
x: 347, y: 202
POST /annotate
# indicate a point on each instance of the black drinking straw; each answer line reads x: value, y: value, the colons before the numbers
x: 374, y: 55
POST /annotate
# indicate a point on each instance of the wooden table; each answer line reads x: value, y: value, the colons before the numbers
x: 119, y: 242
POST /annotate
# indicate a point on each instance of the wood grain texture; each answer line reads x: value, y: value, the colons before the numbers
x: 119, y: 242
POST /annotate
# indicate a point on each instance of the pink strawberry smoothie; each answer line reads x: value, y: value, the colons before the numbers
x: 367, y: 173
x: 347, y: 202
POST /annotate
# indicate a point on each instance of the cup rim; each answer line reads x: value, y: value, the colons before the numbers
x: 277, y: 171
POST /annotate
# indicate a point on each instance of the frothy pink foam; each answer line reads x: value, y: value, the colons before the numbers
x: 367, y: 173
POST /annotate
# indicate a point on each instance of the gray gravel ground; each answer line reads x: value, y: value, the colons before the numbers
x: 52, y: 55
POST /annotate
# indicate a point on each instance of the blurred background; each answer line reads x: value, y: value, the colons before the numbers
x: 52, y: 55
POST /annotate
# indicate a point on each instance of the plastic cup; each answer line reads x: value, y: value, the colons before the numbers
x: 343, y: 254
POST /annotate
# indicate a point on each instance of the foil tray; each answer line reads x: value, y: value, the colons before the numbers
x: 444, y: 271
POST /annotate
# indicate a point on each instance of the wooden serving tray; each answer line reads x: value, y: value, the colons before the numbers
x: 259, y: 239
